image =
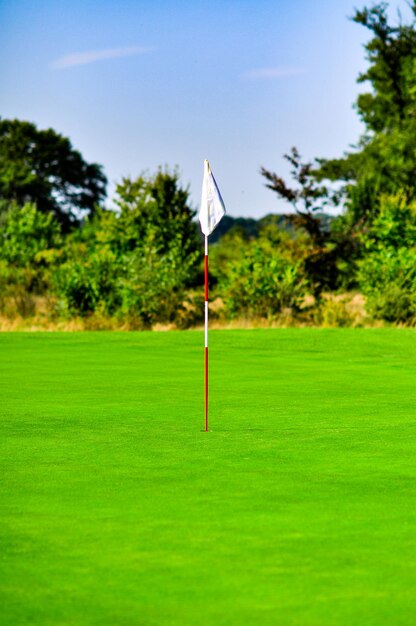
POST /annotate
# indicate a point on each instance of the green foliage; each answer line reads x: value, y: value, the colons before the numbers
x: 387, y: 274
x: 391, y: 71
x: 158, y: 239
x: 388, y: 278
x: 156, y: 209
x: 378, y: 176
x: 25, y: 233
x: 29, y: 242
x: 307, y: 197
x: 42, y: 167
x: 17, y: 287
x: 229, y: 249
x: 89, y: 284
x: 87, y: 278
x: 263, y: 283
x: 135, y: 265
x: 385, y: 159
x: 394, y: 226
x: 153, y: 287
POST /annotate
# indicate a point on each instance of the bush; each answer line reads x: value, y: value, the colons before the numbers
x: 85, y: 285
x: 388, y: 279
x: 153, y: 288
x: 387, y: 272
x: 25, y: 232
x: 16, y: 297
x: 263, y: 283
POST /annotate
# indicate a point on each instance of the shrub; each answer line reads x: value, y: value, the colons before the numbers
x: 153, y: 287
x: 263, y: 283
x: 388, y: 279
x: 387, y: 272
x: 88, y: 283
x: 25, y: 232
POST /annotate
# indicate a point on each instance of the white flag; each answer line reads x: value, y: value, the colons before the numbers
x: 212, y: 205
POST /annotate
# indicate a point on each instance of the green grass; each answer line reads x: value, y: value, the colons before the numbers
x: 297, y: 508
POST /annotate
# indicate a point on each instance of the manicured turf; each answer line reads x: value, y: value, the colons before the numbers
x: 298, y: 508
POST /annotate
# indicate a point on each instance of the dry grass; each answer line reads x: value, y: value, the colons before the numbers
x: 335, y: 310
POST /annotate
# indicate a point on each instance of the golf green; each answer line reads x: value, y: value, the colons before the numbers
x: 298, y: 507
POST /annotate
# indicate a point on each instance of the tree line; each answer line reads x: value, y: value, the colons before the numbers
x: 63, y: 255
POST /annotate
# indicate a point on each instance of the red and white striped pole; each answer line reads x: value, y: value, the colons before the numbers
x: 206, y: 333
x: 211, y: 212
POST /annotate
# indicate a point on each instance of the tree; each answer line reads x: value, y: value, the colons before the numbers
x: 391, y: 70
x: 25, y: 233
x: 155, y: 209
x: 308, y: 198
x: 41, y: 166
x: 29, y: 242
x: 135, y: 264
x: 263, y: 281
x: 384, y: 160
x: 387, y: 271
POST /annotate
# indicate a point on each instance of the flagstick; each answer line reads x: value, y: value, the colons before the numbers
x: 206, y: 332
x: 211, y: 212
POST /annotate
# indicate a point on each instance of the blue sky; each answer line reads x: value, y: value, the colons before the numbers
x: 137, y: 84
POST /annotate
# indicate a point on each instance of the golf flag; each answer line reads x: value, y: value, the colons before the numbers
x: 212, y: 205
x: 210, y: 214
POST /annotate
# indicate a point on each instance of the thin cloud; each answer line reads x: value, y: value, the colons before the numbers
x: 273, y: 72
x: 84, y: 58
